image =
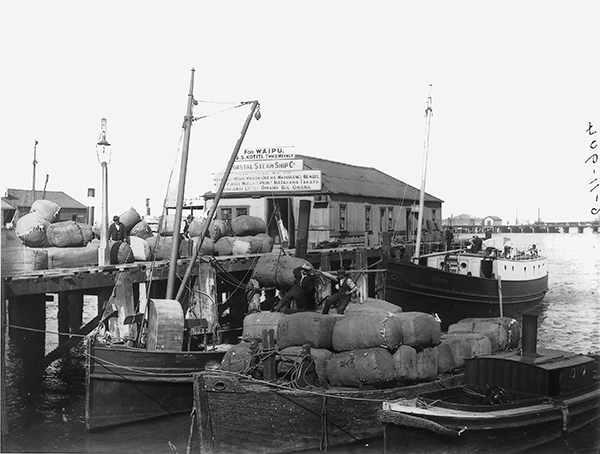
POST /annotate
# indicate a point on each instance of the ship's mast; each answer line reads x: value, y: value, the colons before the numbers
x: 421, y: 214
x: 34, y: 164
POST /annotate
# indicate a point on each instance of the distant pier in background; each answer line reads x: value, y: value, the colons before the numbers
x: 537, y: 227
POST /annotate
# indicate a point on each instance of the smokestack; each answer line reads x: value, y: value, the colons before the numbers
x: 529, y: 338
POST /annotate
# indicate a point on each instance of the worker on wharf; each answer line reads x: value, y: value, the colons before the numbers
x: 340, y: 300
x: 302, y: 291
x: 116, y: 231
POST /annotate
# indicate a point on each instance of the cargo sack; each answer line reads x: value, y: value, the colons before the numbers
x: 166, y: 225
x: 321, y: 356
x: 218, y: 229
x: 207, y: 248
x: 241, y: 357
x: 255, y: 323
x: 31, y: 230
x: 160, y: 247
x: 266, y: 243
x: 419, y: 329
x: 65, y: 234
x: 120, y: 252
x: 503, y: 332
x: 367, y: 331
x: 414, y: 366
x: 195, y: 227
x: 140, y: 248
x: 446, y: 362
x: 45, y: 208
x: 21, y: 259
x: 87, y: 232
x: 97, y: 229
x: 467, y: 345
x: 224, y: 246
x: 248, y: 225
x: 373, y: 366
x: 142, y: 230
x: 277, y: 270
x: 371, y: 306
x: 247, y: 245
x: 306, y: 328
x: 289, y: 360
x: 73, y: 257
x: 129, y: 219
x: 185, y: 248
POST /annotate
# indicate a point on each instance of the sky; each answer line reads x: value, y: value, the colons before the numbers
x: 514, y: 86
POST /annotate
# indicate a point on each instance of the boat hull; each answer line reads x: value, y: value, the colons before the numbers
x: 125, y: 385
x: 456, y: 296
x: 495, y: 430
x: 239, y: 415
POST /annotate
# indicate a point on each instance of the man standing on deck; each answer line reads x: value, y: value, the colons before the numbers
x: 302, y: 291
x: 347, y: 288
x: 116, y: 231
x: 448, y: 237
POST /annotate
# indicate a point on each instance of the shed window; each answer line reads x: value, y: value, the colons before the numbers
x: 226, y: 214
x: 390, y: 222
x: 343, y: 217
x: 367, y: 218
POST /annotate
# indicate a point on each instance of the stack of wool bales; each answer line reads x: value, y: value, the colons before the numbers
x: 31, y: 228
x: 246, y: 235
x: 475, y: 337
x: 277, y: 270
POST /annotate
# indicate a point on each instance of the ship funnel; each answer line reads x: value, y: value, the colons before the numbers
x: 529, y: 337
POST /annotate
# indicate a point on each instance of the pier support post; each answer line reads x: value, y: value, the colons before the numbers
x: 70, y: 314
x: 360, y: 263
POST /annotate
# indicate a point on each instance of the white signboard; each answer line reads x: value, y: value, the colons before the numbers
x: 258, y: 154
x: 273, y: 164
x: 293, y: 180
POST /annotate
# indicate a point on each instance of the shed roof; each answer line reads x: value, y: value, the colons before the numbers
x: 348, y: 179
x: 23, y: 198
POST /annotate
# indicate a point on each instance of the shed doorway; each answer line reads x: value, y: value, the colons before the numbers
x: 281, y: 208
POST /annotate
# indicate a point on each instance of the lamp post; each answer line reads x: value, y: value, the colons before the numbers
x: 104, y: 154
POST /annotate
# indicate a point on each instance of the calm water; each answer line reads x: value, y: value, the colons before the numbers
x: 48, y: 416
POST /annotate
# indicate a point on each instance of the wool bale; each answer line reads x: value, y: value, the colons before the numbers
x: 65, y: 234
x: 195, y: 227
x: 240, y: 358
x: 142, y: 230
x: 370, y: 306
x: 45, y: 208
x: 120, y: 252
x: 97, y: 229
x: 446, y: 362
x: 160, y: 246
x: 467, y: 345
x: 266, y: 243
x: 248, y: 225
x: 419, y: 329
x: 22, y: 258
x: 224, y: 246
x: 166, y: 224
x: 504, y: 331
x: 129, y: 219
x: 405, y: 364
x: 207, y: 248
x: 321, y: 356
x: 277, y: 270
x: 373, y: 366
x: 186, y: 248
x: 427, y: 364
x: 87, y: 232
x: 251, y: 243
x: 306, y: 328
x: 255, y: 323
x: 367, y: 331
x: 218, y: 229
x: 140, y: 248
x: 73, y: 257
x: 31, y: 230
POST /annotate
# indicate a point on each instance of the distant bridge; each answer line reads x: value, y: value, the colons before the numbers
x: 538, y: 227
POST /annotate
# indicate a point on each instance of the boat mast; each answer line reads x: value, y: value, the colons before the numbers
x: 187, y: 125
x: 211, y: 212
x: 34, y: 164
x: 428, y: 115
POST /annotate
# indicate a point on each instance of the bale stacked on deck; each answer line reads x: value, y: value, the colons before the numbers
x: 120, y: 252
x: 160, y: 246
x: 367, y: 331
x: 255, y: 323
x: 22, y: 258
x: 277, y: 270
x: 207, y: 248
x: 142, y: 230
x: 503, y: 332
x: 461, y: 346
x: 68, y: 234
x: 246, y: 225
x: 240, y: 358
x: 140, y: 248
x: 373, y: 366
x: 303, y: 328
x: 370, y: 306
x: 413, y: 366
x: 73, y: 257
x: 46, y: 209
x: 129, y: 218
x: 31, y: 230
x: 419, y: 329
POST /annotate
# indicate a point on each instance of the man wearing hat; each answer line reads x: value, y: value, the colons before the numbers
x: 302, y: 291
x: 116, y: 231
x: 347, y: 288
